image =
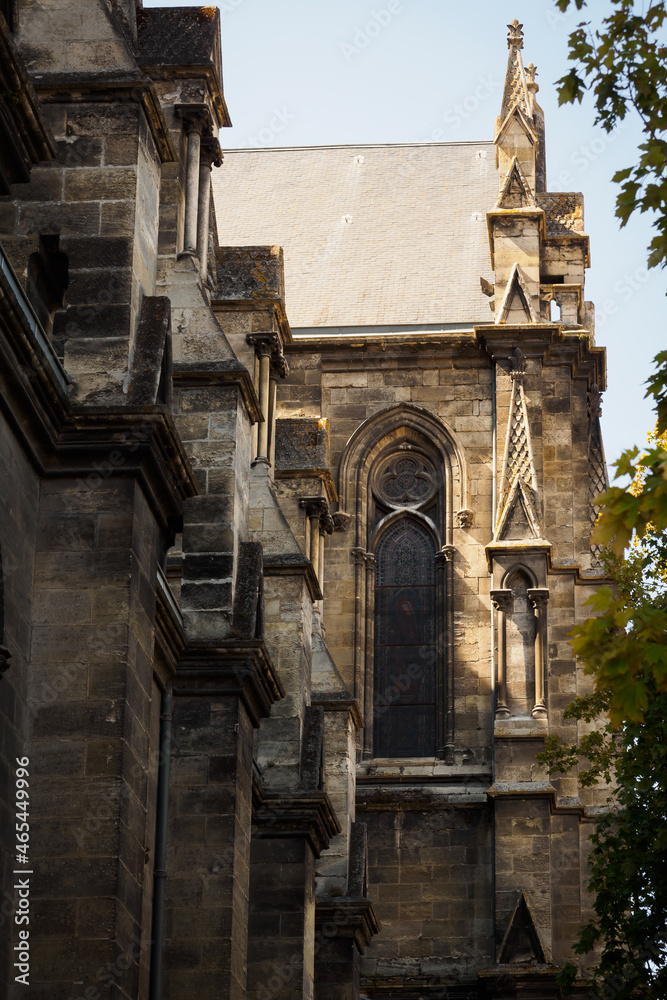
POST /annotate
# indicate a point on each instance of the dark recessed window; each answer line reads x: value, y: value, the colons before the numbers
x: 405, y: 642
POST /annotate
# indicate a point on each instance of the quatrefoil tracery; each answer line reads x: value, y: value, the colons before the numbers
x: 407, y: 482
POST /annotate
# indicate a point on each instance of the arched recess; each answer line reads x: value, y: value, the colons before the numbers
x: 403, y: 465
x: 522, y: 640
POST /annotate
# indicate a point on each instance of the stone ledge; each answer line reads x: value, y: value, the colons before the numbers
x: 290, y: 813
x: 544, y: 790
x: 228, y: 372
x: 350, y: 917
x: 335, y: 702
x: 235, y: 668
x: 294, y: 565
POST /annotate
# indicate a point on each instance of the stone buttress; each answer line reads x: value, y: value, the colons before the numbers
x: 284, y: 601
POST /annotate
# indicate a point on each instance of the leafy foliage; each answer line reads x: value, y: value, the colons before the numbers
x: 623, y: 723
x: 625, y: 645
x: 628, y: 861
x: 624, y: 64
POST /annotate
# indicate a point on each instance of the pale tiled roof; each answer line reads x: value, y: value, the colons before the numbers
x: 379, y: 235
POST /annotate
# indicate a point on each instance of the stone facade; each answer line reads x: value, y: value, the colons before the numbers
x: 285, y: 596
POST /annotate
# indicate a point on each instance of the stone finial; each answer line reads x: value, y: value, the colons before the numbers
x: 515, y: 35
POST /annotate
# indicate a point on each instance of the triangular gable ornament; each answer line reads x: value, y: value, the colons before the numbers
x: 516, y: 192
x: 520, y: 501
x: 522, y: 944
x: 515, y: 115
x: 517, y: 290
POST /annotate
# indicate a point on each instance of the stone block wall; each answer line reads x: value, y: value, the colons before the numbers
x: 430, y: 881
x: 92, y: 643
x: 19, y: 506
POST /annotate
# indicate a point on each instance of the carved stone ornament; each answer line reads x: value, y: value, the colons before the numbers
x: 341, y: 520
x: 515, y: 35
x: 5, y: 657
x: 594, y: 401
x: 465, y: 518
x: 538, y: 597
x: 502, y: 600
x: 315, y: 506
x: 518, y: 363
x: 406, y: 481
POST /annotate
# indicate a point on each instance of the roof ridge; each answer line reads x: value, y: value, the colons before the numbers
x: 355, y: 145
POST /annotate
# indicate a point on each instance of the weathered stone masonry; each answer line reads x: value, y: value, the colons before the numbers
x: 293, y: 530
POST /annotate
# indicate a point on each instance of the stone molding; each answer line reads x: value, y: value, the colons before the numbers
x: 234, y: 668
x: 289, y: 565
x: 347, y: 917
x: 333, y: 702
x: 280, y: 813
x: 230, y: 372
x: 57, y: 88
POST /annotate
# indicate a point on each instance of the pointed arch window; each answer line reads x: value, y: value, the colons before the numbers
x: 403, y: 477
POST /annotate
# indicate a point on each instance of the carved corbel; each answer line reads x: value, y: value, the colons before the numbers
x: 341, y: 520
x: 518, y: 364
x: 465, y: 518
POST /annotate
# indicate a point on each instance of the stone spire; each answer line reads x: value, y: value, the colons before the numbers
x: 515, y: 93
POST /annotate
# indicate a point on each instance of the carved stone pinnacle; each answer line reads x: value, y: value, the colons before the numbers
x: 515, y: 35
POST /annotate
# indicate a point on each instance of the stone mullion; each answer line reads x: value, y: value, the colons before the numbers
x: 192, y: 188
x: 210, y: 156
x: 502, y: 602
x: 538, y: 596
x: 441, y: 714
x: 448, y: 552
x: 370, y: 694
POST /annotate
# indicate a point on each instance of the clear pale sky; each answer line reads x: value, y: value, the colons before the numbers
x: 316, y: 72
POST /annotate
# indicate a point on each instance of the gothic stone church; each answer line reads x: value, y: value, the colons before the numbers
x: 298, y: 462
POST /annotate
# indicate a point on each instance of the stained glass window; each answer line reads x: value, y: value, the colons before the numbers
x: 405, y: 643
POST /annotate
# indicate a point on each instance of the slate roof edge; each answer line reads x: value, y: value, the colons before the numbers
x: 357, y: 145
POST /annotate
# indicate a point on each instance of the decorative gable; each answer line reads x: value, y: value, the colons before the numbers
x: 517, y: 303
